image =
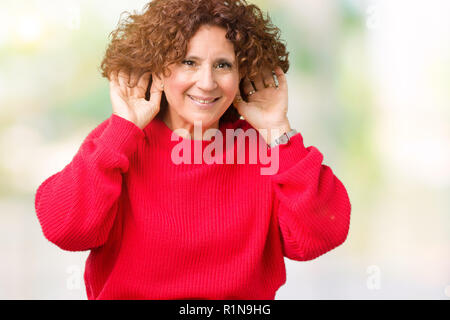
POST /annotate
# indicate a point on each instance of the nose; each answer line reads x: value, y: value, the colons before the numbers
x: 206, y: 80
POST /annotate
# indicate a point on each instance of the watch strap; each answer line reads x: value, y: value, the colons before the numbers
x: 283, y: 139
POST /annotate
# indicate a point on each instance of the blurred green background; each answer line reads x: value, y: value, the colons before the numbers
x: 368, y: 86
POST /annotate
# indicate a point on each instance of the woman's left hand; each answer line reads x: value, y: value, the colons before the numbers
x: 267, y: 105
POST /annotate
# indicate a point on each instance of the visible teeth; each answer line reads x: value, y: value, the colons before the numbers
x: 203, y: 101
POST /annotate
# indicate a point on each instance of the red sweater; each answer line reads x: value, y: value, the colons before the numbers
x: 160, y: 230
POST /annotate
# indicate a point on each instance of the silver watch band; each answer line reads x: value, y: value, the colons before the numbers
x: 283, y: 139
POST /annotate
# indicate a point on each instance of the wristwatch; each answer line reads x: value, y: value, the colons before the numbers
x: 283, y: 139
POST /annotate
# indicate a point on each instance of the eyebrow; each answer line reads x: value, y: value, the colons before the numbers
x: 217, y: 60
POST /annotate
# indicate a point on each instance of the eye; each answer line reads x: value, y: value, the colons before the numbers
x: 188, y: 62
x: 223, y: 65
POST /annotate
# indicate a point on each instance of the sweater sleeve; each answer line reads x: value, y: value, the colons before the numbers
x: 311, y: 203
x: 76, y: 207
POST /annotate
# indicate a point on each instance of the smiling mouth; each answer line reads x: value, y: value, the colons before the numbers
x: 203, y: 102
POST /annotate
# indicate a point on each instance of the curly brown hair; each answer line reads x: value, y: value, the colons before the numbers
x: 158, y: 37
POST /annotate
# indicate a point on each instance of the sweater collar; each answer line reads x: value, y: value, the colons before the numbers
x: 159, y: 131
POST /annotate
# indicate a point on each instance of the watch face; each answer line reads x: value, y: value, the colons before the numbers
x: 284, y: 139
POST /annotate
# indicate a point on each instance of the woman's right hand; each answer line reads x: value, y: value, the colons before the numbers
x: 127, y: 93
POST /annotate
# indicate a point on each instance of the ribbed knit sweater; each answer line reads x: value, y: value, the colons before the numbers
x: 161, y: 230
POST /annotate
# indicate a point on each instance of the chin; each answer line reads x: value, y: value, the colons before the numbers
x: 206, y: 122
x: 207, y: 119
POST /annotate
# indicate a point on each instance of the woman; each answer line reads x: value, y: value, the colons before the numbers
x: 161, y: 229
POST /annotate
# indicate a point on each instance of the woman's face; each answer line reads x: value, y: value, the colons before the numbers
x: 205, y: 83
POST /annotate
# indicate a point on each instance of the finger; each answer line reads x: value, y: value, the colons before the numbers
x: 281, y: 77
x: 123, y: 77
x: 134, y: 77
x: 259, y: 84
x: 143, y: 81
x: 247, y: 86
x: 141, y: 84
x: 268, y: 79
x: 157, y: 80
x: 113, y: 78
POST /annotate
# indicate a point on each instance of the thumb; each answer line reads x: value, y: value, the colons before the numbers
x: 239, y: 103
x: 155, y: 94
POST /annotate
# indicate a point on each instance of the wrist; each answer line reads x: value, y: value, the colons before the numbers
x: 275, y: 131
x: 130, y: 119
